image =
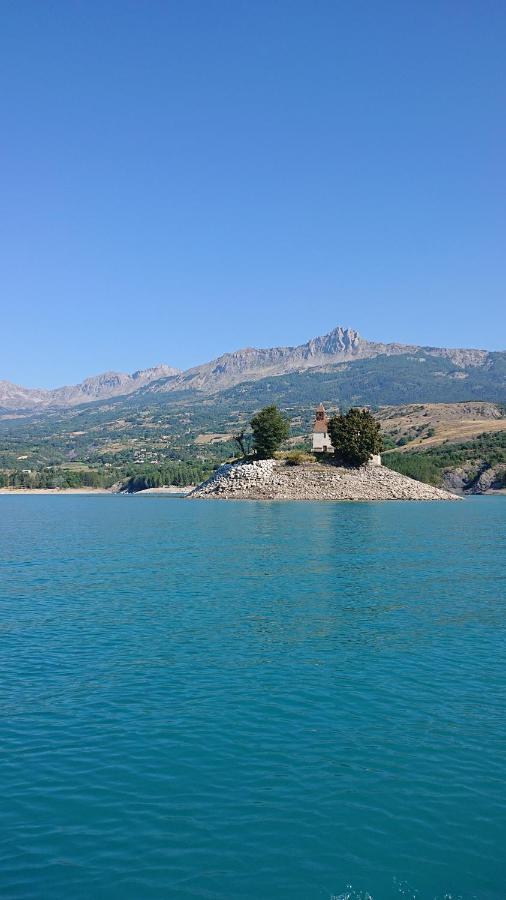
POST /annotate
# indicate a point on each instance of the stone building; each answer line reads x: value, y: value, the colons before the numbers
x: 321, y: 438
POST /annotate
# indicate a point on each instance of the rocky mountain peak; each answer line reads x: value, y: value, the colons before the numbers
x: 341, y: 345
x: 339, y: 340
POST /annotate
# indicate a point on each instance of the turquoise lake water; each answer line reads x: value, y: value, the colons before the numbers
x: 202, y: 699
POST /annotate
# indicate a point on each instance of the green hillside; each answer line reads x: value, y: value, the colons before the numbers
x: 152, y: 428
x: 487, y: 451
x: 415, y: 378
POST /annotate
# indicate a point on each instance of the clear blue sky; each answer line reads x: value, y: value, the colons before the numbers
x: 178, y: 179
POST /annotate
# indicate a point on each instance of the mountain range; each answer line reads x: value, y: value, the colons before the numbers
x: 98, y: 387
x: 339, y: 351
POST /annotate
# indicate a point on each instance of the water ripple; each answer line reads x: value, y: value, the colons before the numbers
x: 225, y: 701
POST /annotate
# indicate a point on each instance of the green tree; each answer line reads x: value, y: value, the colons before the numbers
x: 355, y: 437
x: 270, y: 428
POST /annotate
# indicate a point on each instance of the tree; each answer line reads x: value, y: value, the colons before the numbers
x: 355, y: 437
x: 270, y: 428
x: 243, y: 441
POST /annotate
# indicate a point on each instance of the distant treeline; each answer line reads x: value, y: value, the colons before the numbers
x: 131, y: 479
x: 177, y: 474
x: 59, y: 478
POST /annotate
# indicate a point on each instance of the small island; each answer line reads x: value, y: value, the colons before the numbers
x: 345, y: 464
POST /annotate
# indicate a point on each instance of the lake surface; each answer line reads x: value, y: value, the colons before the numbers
x: 201, y: 699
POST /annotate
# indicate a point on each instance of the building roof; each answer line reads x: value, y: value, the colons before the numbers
x: 321, y: 421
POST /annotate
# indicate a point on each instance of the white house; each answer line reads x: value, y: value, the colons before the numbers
x: 321, y: 438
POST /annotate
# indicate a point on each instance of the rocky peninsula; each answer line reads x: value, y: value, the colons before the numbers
x: 273, y: 479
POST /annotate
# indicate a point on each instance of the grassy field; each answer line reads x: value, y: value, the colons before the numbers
x: 423, y: 425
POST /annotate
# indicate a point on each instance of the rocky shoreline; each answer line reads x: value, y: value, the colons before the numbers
x: 275, y: 480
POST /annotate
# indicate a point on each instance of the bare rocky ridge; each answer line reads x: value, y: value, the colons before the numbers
x: 99, y: 387
x: 12, y: 396
x: 274, y: 480
x: 341, y: 345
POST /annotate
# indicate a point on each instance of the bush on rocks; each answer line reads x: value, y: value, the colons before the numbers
x: 296, y: 457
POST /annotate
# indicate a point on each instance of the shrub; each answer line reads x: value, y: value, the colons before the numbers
x: 296, y: 457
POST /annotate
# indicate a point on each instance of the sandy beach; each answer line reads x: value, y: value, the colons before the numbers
x: 177, y: 491
x: 9, y: 491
